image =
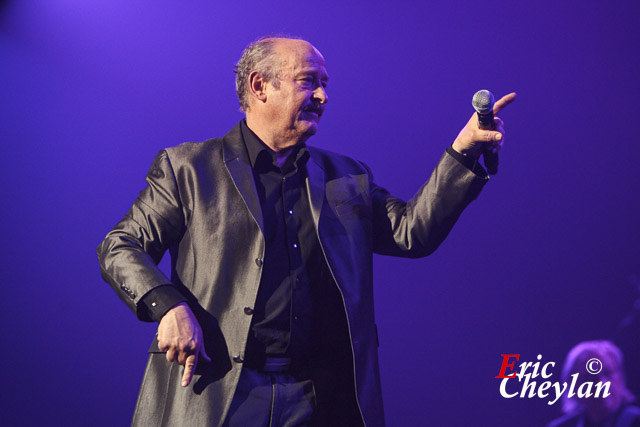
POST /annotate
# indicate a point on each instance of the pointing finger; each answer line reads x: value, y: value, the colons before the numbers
x: 503, y: 102
x: 189, y: 369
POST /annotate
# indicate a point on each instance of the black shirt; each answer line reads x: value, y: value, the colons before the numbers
x: 282, y: 313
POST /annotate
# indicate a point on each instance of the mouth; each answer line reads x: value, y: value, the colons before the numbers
x: 317, y: 110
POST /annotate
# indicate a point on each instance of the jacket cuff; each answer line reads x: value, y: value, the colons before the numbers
x: 158, y: 301
x: 473, y: 164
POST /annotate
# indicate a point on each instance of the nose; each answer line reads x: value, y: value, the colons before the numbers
x: 320, y: 94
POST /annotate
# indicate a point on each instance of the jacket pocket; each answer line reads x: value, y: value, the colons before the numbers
x: 354, y: 207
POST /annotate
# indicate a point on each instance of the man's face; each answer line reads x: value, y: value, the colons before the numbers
x: 296, y: 107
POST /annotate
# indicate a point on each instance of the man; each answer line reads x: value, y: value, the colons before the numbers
x: 270, y: 303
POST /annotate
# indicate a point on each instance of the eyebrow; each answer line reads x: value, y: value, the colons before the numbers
x: 324, y: 77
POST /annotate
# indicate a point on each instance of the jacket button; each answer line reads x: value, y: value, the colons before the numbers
x: 258, y: 262
x: 248, y: 311
x: 128, y: 291
x: 238, y: 359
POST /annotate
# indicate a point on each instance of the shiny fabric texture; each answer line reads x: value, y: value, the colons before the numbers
x: 201, y: 205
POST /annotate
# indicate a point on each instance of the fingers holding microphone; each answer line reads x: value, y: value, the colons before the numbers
x: 496, y: 138
x: 472, y: 141
x: 484, y: 133
x: 498, y: 123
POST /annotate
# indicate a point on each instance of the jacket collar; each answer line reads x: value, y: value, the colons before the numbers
x: 238, y: 164
x: 315, y: 188
x: 237, y: 161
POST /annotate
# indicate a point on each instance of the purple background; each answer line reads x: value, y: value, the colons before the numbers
x: 546, y: 257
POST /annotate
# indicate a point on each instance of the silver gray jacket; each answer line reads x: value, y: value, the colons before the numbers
x: 201, y: 205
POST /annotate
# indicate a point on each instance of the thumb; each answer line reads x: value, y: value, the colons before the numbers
x: 486, y: 136
x: 189, y: 369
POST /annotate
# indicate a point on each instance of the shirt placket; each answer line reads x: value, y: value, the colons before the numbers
x: 300, y: 295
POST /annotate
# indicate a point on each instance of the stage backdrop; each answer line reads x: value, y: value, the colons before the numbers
x: 546, y: 257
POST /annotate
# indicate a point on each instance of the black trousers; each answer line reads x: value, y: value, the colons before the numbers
x: 271, y: 400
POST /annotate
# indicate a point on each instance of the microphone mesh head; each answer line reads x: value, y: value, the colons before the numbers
x: 483, y: 101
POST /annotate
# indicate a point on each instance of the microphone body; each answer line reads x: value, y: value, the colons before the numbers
x: 482, y: 102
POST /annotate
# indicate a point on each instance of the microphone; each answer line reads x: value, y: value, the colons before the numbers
x: 482, y: 102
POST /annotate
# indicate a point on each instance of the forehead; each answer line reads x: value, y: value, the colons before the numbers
x: 300, y: 56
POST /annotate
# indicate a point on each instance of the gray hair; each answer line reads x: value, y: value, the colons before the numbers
x: 574, y: 362
x: 259, y: 56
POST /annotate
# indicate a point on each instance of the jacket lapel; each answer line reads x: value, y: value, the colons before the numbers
x: 315, y: 189
x: 237, y: 161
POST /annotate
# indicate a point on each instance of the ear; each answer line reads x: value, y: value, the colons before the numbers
x: 258, y: 86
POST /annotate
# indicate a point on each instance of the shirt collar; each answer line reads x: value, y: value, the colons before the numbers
x: 260, y: 155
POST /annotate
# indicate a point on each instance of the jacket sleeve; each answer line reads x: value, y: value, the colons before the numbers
x: 417, y: 227
x: 130, y: 253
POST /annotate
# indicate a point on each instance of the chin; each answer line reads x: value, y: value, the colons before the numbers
x: 309, y: 128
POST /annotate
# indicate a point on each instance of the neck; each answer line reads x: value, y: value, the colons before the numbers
x: 277, y: 141
x: 282, y: 147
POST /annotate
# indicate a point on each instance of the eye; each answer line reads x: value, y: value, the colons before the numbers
x: 306, y: 82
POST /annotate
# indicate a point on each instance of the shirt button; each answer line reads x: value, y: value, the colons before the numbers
x: 258, y: 262
x: 248, y: 311
x: 295, y: 245
x: 290, y: 212
x: 153, y: 304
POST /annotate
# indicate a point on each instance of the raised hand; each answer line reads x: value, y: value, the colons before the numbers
x: 473, y: 141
